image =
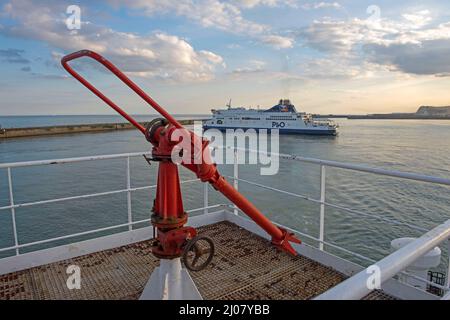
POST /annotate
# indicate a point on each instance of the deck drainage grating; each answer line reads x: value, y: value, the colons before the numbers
x: 245, y: 267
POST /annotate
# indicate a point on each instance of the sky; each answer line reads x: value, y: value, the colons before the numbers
x: 338, y: 57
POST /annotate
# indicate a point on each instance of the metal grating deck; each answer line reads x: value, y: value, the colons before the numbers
x: 245, y: 266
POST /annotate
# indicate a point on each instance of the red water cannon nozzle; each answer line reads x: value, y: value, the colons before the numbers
x: 173, y: 238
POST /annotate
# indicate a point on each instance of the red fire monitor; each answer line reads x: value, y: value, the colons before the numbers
x: 173, y: 238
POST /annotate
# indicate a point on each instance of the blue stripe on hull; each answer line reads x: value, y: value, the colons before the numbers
x: 283, y: 131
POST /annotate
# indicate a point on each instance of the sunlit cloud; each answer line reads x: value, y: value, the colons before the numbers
x: 225, y: 16
x: 156, y: 55
x: 411, y: 44
x: 210, y: 50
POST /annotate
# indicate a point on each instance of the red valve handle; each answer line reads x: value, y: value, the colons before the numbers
x: 119, y: 74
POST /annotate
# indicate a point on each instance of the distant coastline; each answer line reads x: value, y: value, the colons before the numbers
x: 8, y: 133
x: 423, y: 113
x: 32, y: 121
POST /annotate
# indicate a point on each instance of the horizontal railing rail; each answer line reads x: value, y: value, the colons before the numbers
x: 85, y: 196
x: 73, y: 235
x: 129, y: 189
x: 353, y: 167
x: 71, y: 160
x: 318, y: 201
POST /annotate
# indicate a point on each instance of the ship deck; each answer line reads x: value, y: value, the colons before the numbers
x: 245, y: 267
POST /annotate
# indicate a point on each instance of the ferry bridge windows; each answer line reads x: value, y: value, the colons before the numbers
x: 280, y: 118
x: 249, y: 118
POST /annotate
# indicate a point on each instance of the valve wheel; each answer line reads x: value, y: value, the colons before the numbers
x: 198, y: 253
x: 152, y: 126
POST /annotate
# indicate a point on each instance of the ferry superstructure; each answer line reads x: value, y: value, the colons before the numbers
x: 282, y: 116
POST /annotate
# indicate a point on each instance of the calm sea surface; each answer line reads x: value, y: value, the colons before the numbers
x: 406, y: 145
x: 41, y: 121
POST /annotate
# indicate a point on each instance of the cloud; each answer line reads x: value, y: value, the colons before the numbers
x: 25, y: 69
x: 336, y: 68
x: 13, y: 56
x: 286, y: 3
x: 419, y: 19
x: 321, y: 5
x: 158, y: 55
x: 269, y: 3
x: 50, y: 76
x: 410, y: 45
x: 233, y: 46
x: 332, y: 36
x: 278, y: 42
x: 225, y: 16
x: 253, y: 66
x: 427, y: 58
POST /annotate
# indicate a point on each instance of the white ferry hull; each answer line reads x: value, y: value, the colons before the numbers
x: 304, y: 131
x: 283, y: 117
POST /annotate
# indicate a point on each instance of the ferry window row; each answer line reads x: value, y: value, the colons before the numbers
x: 280, y: 118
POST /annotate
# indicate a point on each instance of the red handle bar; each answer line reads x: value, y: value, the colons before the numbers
x: 119, y: 74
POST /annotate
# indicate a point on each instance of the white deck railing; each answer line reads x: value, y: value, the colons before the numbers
x: 323, y: 164
x: 356, y: 287
x: 129, y: 189
x: 323, y: 204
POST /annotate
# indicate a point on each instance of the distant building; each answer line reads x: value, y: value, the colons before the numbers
x: 433, y: 111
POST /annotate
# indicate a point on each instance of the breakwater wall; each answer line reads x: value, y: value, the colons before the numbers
x: 6, y: 133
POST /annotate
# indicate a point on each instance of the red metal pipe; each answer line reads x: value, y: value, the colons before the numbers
x: 119, y: 74
x: 208, y: 173
x: 168, y: 204
x: 168, y: 201
x: 246, y: 206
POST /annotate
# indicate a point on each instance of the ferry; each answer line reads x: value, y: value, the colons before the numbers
x: 282, y: 116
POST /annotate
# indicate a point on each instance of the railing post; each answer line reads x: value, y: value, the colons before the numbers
x: 322, y: 206
x: 205, y: 198
x: 13, y: 211
x: 236, y: 177
x: 130, y: 215
x: 448, y: 267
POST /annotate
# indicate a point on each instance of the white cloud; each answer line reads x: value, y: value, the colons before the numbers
x: 225, y: 16
x: 320, y: 5
x: 252, y: 66
x: 410, y: 45
x: 156, y: 55
x: 269, y: 3
x: 278, y: 42
x: 333, y: 36
x: 337, y: 68
x: 335, y: 5
x: 418, y: 19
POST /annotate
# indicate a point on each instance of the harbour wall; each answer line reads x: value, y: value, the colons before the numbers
x: 6, y: 133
